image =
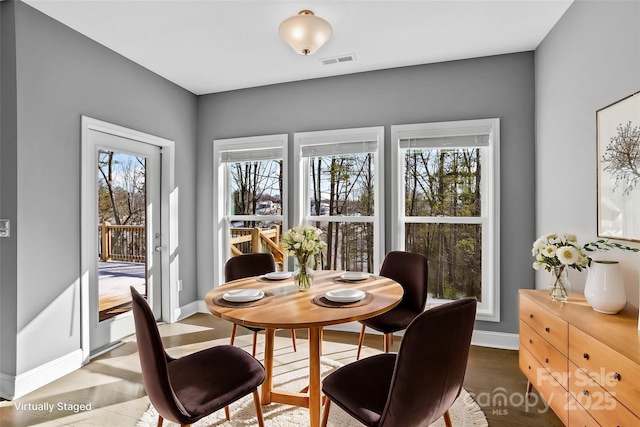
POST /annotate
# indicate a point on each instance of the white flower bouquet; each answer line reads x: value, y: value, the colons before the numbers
x: 556, y: 252
x: 305, y: 243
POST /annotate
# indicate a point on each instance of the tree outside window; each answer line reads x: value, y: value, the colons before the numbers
x: 251, y: 186
x: 446, y: 206
x: 340, y: 192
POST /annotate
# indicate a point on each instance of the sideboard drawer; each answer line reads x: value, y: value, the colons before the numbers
x: 550, y: 327
x: 578, y: 416
x: 602, y: 359
x: 546, y: 354
x: 616, y: 373
x: 601, y: 404
x: 548, y: 388
x: 529, y: 365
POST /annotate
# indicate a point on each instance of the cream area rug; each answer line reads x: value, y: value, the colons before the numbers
x: 465, y: 412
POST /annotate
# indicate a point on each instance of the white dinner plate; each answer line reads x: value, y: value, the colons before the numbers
x: 344, y: 295
x: 354, y: 276
x: 243, y: 295
x: 278, y: 275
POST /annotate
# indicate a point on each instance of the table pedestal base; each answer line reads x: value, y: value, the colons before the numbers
x: 312, y: 399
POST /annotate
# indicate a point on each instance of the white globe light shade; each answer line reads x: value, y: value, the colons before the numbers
x: 305, y: 32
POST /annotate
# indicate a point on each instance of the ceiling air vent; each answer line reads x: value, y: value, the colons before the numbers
x: 339, y: 59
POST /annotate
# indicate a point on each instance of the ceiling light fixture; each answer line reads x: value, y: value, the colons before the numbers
x: 305, y: 32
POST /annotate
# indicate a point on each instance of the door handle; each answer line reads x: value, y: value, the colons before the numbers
x: 158, y: 248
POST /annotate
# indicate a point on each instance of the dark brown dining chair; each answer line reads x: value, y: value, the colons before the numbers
x: 409, y: 269
x: 417, y: 385
x: 189, y: 388
x: 249, y: 265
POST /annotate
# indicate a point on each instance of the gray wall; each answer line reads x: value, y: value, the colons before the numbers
x: 500, y: 86
x: 589, y: 60
x: 8, y: 188
x: 61, y: 76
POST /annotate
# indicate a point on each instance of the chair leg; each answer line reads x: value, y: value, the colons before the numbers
x: 160, y: 421
x: 447, y: 419
x: 293, y: 339
x: 233, y: 334
x: 227, y: 414
x: 387, y: 340
x: 256, y: 402
x: 325, y: 414
x: 255, y: 342
x: 360, y: 340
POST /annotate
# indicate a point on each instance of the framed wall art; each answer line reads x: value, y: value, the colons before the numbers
x: 618, y: 151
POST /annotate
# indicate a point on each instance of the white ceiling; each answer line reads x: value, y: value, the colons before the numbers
x: 210, y: 46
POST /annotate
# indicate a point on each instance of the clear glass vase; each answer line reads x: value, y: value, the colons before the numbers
x: 560, y: 287
x: 304, y: 277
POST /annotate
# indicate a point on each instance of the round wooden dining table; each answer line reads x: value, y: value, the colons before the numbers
x: 284, y: 307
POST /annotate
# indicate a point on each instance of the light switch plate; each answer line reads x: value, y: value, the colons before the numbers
x: 4, y: 228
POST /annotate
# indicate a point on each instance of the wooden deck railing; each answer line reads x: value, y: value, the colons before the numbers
x: 128, y: 242
x: 253, y: 240
x: 122, y: 242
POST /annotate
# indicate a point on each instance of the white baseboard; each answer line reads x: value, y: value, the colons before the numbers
x: 7, y: 385
x: 351, y: 327
x: 202, y: 307
x: 480, y: 338
x: 189, y: 310
x: 13, y: 387
x: 501, y: 340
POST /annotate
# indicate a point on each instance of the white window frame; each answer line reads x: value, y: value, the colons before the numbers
x: 301, y: 211
x: 489, y: 308
x: 222, y: 217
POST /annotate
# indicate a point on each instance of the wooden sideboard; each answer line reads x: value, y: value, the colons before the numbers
x: 585, y: 364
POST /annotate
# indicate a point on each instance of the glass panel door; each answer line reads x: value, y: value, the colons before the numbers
x: 122, y: 230
x: 125, y: 240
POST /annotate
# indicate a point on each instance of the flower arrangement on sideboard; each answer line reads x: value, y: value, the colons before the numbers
x: 557, y: 252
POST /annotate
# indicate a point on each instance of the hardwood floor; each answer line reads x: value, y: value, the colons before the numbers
x: 112, y: 383
x: 496, y: 383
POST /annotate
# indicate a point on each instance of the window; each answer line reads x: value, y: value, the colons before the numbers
x: 252, y: 188
x: 446, y: 206
x: 338, y: 188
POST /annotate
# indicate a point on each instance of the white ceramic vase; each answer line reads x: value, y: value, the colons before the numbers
x: 604, y: 289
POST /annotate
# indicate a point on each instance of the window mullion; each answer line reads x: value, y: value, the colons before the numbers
x: 443, y: 219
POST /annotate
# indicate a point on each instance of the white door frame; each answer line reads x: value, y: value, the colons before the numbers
x: 168, y: 222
